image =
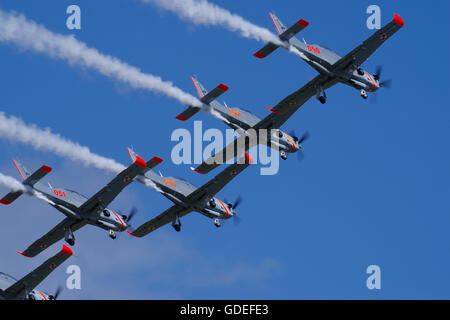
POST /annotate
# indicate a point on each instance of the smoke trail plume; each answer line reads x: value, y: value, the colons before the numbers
x: 16, y: 29
x: 15, y: 129
x: 10, y: 182
x: 202, y: 12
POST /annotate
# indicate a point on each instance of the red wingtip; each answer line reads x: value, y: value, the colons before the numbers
x: 140, y: 162
x: 398, y: 20
x: 223, y: 87
x: 19, y: 252
x: 259, y: 55
x: 157, y: 159
x: 180, y: 117
x: 5, y: 202
x: 198, y: 171
x: 248, y: 159
x: 131, y: 233
x: 303, y: 23
x: 66, y: 250
x: 46, y: 168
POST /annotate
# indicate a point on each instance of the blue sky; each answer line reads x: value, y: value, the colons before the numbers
x: 372, y: 189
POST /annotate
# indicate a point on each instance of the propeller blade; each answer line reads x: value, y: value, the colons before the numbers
x: 132, y: 214
x: 237, y: 202
x: 378, y: 71
x: 57, y: 292
x: 386, y: 83
x: 304, y: 137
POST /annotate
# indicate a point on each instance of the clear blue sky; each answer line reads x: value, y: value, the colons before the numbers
x: 372, y: 189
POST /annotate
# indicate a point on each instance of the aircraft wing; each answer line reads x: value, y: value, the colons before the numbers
x: 212, y: 187
x: 54, y: 235
x: 107, y: 194
x: 20, y: 289
x: 357, y: 56
x: 289, y: 105
x: 233, y: 149
x: 164, y: 218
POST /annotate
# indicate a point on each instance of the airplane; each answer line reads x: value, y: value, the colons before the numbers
x: 243, y: 120
x: 187, y: 198
x: 78, y: 209
x: 335, y: 68
x: 24, y: 289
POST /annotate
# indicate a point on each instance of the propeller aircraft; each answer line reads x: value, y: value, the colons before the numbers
x: 78, y: 209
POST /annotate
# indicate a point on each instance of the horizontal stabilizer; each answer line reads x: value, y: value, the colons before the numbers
x: 284, y: 34
x: 28, y: 179
x: 188, y: 113
x: 205, y: 96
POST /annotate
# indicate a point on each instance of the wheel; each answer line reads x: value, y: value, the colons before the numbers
x: 217, y: 223
x: 71, y: 241
x: 112, y: 236
x: 322, y: 99
x: 284, y: 157
x: 177, y: 227
x: 364, y: 96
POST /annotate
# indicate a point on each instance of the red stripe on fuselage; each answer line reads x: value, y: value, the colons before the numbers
x: 226, y: 210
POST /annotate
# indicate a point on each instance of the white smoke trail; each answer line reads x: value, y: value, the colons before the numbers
x: 201, y: 12
x: 15, y: 129
x: 10, y: 182
x: 16, y: 29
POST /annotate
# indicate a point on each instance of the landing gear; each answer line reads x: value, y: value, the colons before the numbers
x: 283, y: 155
x: 363, y: 94
x: 321, y: 95
x: 322, y: 99
x: 177, y: 227
x: 69, y: 237
x: 112, y: 234
x: 176, y: 224
x: 217, y: 223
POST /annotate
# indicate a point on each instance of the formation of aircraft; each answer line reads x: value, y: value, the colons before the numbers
x: 332, y: 67
x: 25, y: 288
x: 80, y: 210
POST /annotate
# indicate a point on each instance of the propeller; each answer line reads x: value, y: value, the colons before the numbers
x: 304, y: 137
x: 300, y: 140
x: 56, y: 294
x: 236, y: 218
x: 385, y: 83
x: 131, y: 214
x: 377, y: 76
x: 378, y: 71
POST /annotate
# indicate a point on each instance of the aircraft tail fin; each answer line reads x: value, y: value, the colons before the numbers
x: 150, y: 164
x: 28, y: 180
x: 285, y: 34
x: 205, y: 97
